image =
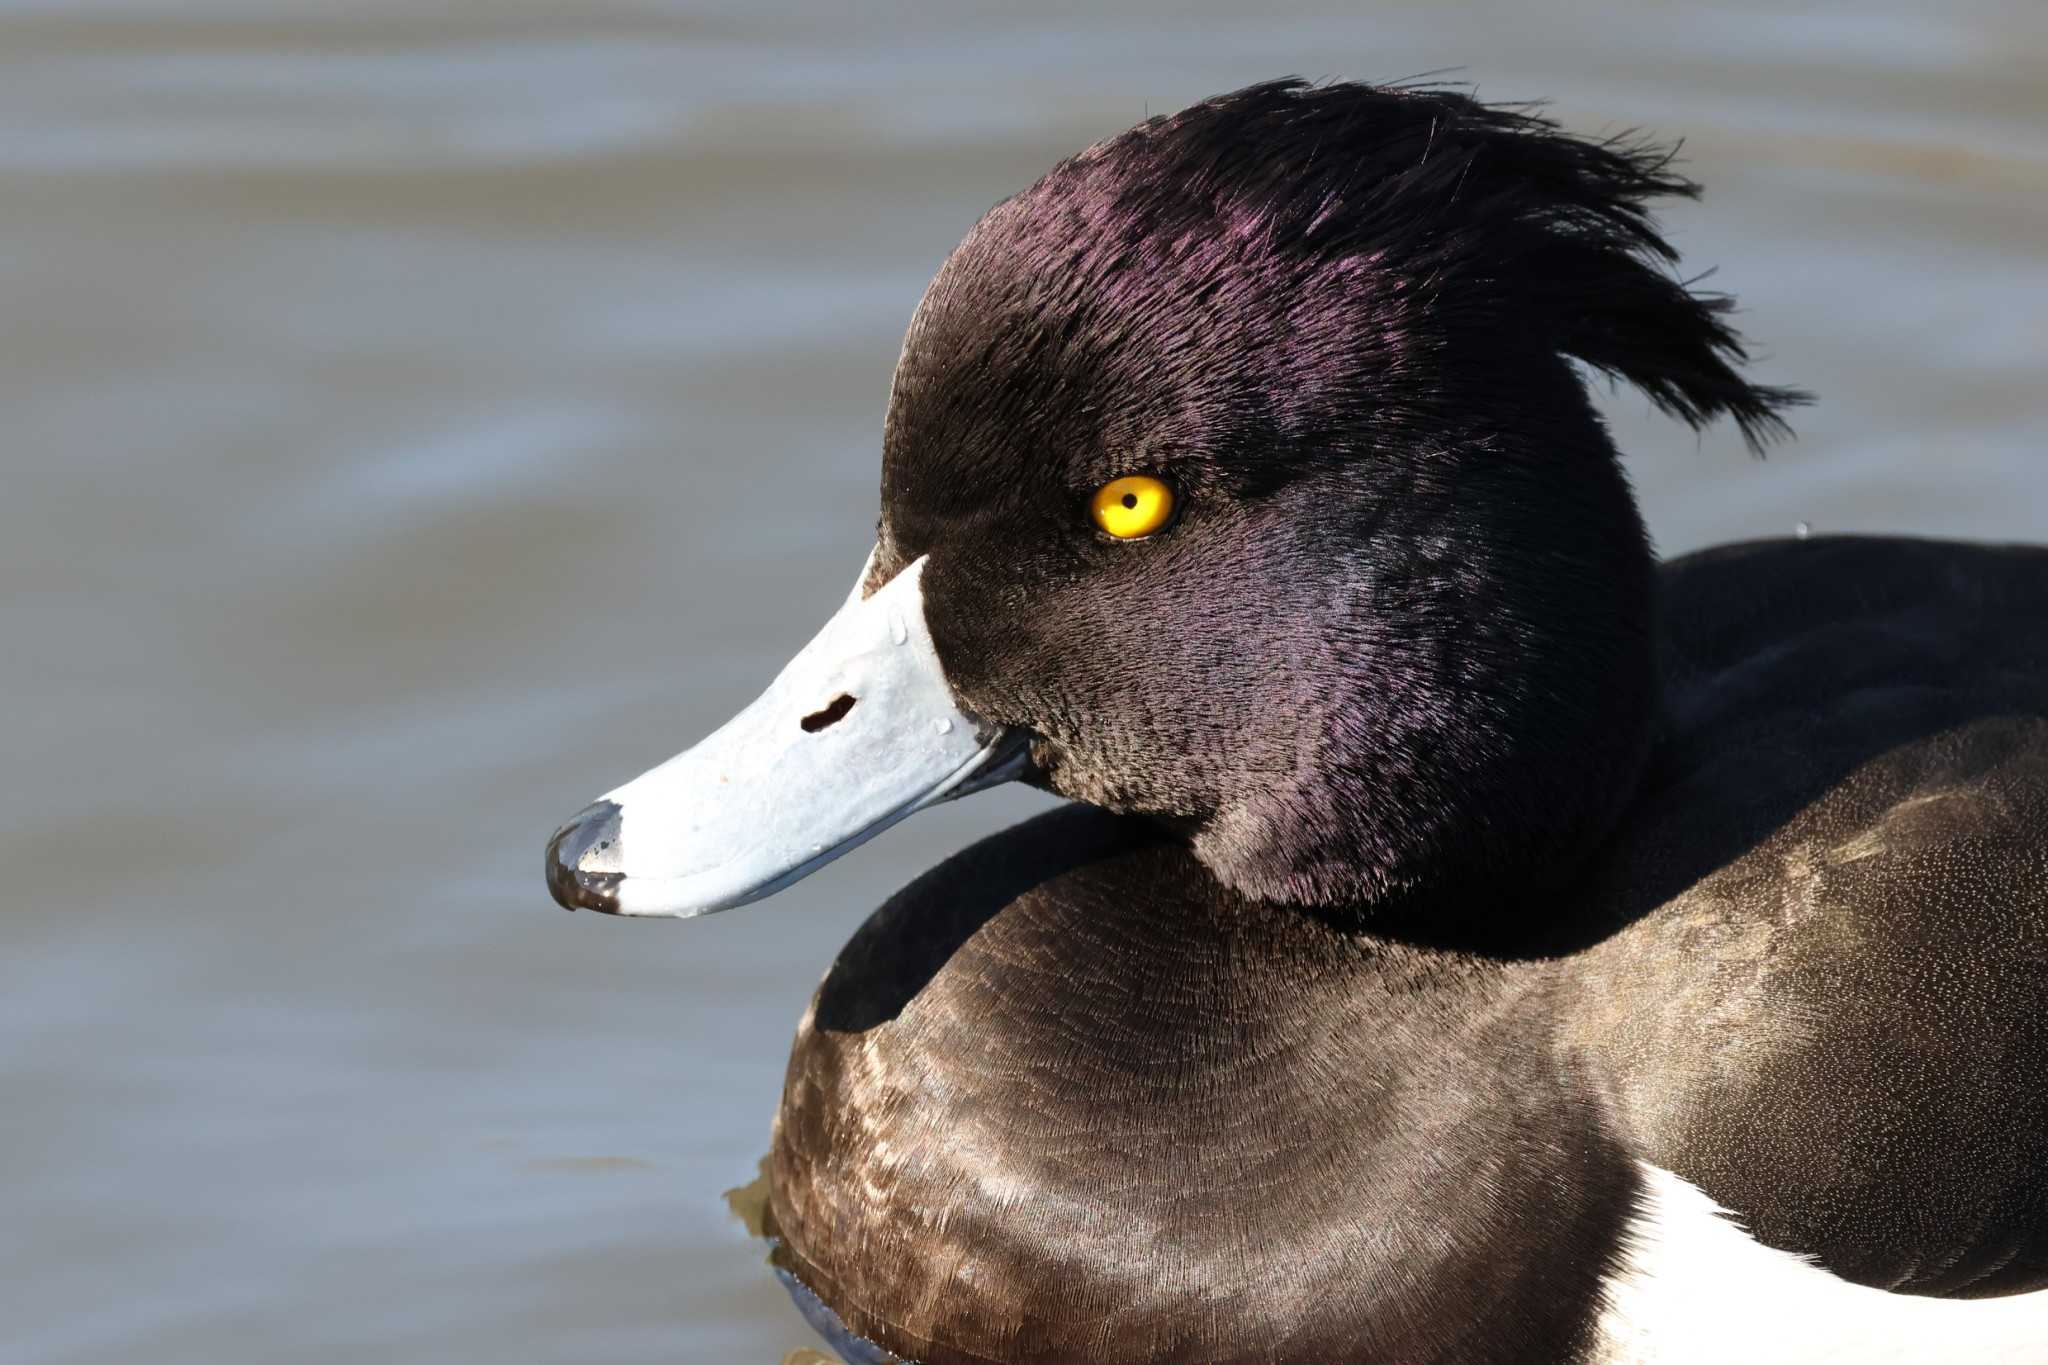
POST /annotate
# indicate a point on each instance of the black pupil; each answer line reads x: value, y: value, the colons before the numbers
x: 1130, y: 499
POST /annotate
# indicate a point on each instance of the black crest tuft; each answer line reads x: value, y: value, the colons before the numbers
x: 1493, y: 215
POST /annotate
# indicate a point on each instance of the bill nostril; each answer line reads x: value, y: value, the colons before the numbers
x: 831, y: 715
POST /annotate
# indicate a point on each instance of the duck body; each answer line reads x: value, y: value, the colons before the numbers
x: 1068, y: 1098
x: 1474, y: 942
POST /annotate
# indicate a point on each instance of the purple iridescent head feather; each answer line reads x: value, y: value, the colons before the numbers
x: 1342, y: 320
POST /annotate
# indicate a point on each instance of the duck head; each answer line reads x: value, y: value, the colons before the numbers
x: 1241, y: 473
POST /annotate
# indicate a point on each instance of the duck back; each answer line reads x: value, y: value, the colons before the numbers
x: 1826, y: 1000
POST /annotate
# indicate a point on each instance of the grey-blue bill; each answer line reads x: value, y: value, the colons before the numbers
x: 858, y: 732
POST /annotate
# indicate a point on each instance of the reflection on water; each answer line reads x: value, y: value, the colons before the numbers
x: 749, y: 1202
x: 422, y: 416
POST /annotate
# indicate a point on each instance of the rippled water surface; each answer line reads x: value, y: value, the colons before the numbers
x: 419, y: 416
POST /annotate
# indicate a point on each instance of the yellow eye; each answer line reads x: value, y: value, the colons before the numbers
x: 1135, y: 505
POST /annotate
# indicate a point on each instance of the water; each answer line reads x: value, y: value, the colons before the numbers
x: 420, y: 416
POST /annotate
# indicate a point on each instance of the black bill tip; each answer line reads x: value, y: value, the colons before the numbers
x: 595, y: 828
